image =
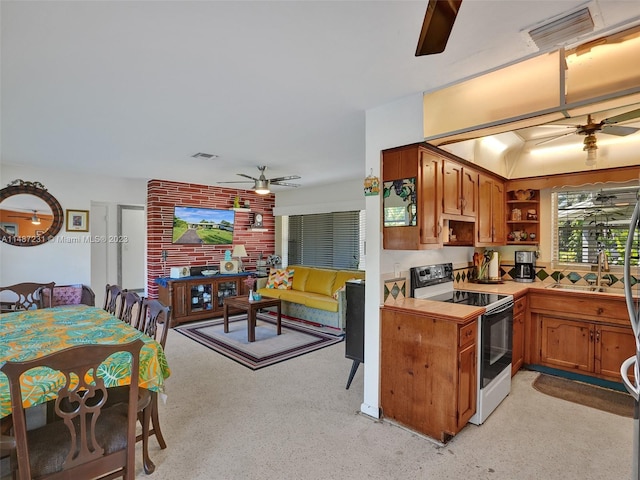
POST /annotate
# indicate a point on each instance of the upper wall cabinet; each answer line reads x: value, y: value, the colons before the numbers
x: 431, y: 200
x: 491, y: 217
x: 460, y: 190
x: 412, y: 198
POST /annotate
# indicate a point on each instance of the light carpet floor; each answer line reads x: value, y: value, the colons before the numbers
x: 296, y: 420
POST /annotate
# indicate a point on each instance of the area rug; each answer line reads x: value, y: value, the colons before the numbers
x: 268, y: 349
x: 611, y: 401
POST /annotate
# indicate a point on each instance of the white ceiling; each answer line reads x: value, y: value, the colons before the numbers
x: 134, y: 89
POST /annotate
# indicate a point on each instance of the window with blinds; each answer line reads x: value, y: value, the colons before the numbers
x: 588, y: 220
x: 334, y: 240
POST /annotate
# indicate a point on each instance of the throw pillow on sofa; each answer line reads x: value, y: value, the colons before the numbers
x: 281, y: 279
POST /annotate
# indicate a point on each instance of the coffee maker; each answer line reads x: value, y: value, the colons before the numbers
x: 525, y: 266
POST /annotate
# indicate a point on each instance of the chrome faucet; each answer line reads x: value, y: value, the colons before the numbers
x: 603, y: 265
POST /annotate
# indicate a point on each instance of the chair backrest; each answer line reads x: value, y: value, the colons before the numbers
x: 112, y: 299
x: 67, y: 295
x: 131, y: 308
x: 154, y: 313
x: 22, y: 296
x: 86, y: 438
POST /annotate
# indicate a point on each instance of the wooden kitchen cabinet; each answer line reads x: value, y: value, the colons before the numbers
x: 424, y: 167
x: 460, y: 190
x: 490, y: 218
x: 523, y: 217
x: 612, y: 348
x: 567, y: 344
x: 199, y: 298
x: 581, y: 332
x: 519, y: 321
x: 428, y: 372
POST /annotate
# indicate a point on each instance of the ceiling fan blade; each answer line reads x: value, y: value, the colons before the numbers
x: 437, y: 25
x: 246, y: 176
x: 284, y: 184
x: 557, y: 126
x: 623, y: 117
x: 239, y: 181
x: 553, y: 139
x: 619, y: 130
x: 280, y: 179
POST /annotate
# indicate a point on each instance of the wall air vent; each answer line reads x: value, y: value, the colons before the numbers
x: 204, y: 155
x: 562, y: 31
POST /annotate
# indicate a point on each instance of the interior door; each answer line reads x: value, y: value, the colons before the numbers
x: 131, y: 241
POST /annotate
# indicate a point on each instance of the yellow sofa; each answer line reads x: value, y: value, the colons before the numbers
x: 316, y: 295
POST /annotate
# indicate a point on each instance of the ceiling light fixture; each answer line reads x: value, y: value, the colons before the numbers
x: 494, y: 144
x: 262, y: 187
x: 591, y: 148
x: 35, y: 219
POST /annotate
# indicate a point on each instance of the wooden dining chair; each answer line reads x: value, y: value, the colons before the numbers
x: 78, y: 294
x: 8, y: 454
x: 112, y: 299
x: 22, y: 296
x: 154, y: 313
x: 130, y: 310
x: 87, y: 438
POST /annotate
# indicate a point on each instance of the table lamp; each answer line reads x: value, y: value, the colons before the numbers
x: 239, y: 251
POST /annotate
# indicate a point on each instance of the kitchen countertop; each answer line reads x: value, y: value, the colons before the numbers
x: 444, y: 311
x: 463, y: 313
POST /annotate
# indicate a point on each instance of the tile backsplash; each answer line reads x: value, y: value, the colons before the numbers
x: 547, y: 275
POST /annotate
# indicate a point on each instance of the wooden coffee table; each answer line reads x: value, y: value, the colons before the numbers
x: 251, y: 307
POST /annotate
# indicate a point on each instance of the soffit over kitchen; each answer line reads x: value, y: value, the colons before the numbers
x: 539, y: 119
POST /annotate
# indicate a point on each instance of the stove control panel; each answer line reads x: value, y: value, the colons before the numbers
x: 430, y: 275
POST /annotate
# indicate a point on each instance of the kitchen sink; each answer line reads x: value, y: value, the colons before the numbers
x: 582, y: 288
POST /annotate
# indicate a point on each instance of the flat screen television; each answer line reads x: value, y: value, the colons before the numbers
x: 202, y: 226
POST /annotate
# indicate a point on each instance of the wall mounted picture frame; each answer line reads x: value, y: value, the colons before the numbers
x: 77, y: 220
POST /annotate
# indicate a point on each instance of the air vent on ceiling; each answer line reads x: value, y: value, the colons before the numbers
x: 563, y: 30
x: 204, y: 155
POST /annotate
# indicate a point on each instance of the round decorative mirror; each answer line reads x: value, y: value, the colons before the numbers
x: 29, y: 214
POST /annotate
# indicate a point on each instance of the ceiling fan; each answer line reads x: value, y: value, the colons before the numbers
x: 34, y: 218
x: 608, y: 126
x: 262, y: 183
x: 437, y: 25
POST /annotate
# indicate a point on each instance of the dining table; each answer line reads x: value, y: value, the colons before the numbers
x: 29, y: 334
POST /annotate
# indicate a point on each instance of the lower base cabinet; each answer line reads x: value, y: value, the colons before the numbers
x: 428, y: 372
x: 590, y: 336
x: 585, y: 346
x: 519, y: 320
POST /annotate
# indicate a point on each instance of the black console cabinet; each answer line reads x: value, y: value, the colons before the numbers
x: 354, y: 335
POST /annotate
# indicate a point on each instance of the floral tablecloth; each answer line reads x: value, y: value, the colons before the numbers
x: 31, y: 334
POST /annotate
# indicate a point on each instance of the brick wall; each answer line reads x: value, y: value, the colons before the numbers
x: 163, y: 195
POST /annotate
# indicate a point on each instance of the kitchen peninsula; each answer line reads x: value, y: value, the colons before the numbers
x: 430, y: 388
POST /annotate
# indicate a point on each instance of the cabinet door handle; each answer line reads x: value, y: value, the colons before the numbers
x: 597, y: 336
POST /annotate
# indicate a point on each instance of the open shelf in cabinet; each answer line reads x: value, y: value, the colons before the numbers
x: 523, y: 211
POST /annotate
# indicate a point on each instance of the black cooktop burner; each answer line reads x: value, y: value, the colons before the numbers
x: 475, y: 299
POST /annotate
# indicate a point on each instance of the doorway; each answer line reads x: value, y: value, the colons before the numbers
x: 131, y: 247
x: 120, y: 259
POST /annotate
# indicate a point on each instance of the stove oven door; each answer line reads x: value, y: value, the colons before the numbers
x: 496, y: 342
